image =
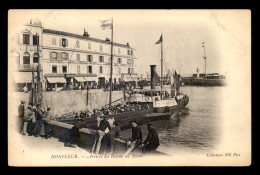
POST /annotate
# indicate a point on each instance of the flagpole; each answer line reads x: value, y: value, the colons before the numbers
x: 111, y: 68
x: 205, y: 60
x: 161, y: 65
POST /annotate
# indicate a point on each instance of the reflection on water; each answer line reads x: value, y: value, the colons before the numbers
x: 197, y: 128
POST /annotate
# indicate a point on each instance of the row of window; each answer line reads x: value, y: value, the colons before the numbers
x: 26, y: 39
x: 89, y: 69
x: 64, y: 42
x: 64, y: 69
x: 65, y: 56
x: 26, y: 58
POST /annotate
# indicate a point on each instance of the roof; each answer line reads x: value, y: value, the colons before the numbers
x: 82, y: 37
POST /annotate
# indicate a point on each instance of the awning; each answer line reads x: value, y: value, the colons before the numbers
x: 80, y: 79
x: 56, y: 79
x: 23, y: 77
x: 91, y: 78
x: 128, y: 78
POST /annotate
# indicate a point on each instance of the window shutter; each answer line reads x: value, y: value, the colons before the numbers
x: 60, y: 42
x: 91, y: 58
x: 50, y: 55
x: 67, y: 42
x: 58, y: 55
x: 67, y: 56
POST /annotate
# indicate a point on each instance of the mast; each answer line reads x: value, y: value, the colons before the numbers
x: 203, y: 45
x: 38, y: 97
x: 161, y: 67
x: 111, y: 68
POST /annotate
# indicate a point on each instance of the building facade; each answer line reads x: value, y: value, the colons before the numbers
x: 66, y: 59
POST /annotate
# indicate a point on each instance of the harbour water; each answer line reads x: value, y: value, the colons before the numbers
x: 197, y: 129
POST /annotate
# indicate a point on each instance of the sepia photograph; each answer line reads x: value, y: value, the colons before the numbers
x: 129, y: 87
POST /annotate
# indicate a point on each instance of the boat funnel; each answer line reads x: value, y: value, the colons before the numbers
x: 153, y: 72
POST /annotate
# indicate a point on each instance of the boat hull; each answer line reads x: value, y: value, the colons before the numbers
x: 140, y: 116
x: 204, y: 82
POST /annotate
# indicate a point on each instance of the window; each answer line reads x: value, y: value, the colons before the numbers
x: 101, y: 48
x: 64, y: 69
x: 35, y: 40
x: 54, y: 55
x: 77, y: 44
x: 63, y: 42
x: 26, y: 58
x: 128, y: 52
x: 54, y: 69
x: 101, y: 58
x: 89, y: 45
x: 26, y: 39
x: 101, y: 69
x: 119, y: 50
x: 90, y: 69
x: 78, y: 57
x: 64, y: 55
x: 132, y: 53
x: 35, y: 58
x: 90, y: 58
x: 53, y: 41
x: 78, y: 69
x: 119, y: 60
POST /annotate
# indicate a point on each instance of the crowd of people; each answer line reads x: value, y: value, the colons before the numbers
x: 106, y: 134
x: 114, y: 109
x: 32, y: 120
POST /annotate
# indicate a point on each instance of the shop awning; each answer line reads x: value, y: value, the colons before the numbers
x: 80, y: 79
x: 91, y: 78
x: 56, y: 79
x: 23, y: 77
x: 128, y: 78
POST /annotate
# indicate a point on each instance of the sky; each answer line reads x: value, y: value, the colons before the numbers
x: 183, y: 33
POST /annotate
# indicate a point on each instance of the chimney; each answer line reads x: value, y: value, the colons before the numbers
x: 153, y: 69
x: 127, y: 44
x: 85, y: 33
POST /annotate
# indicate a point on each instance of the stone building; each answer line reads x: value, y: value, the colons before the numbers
x: 68, y: 59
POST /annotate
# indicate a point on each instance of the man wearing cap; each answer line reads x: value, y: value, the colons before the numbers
x: 27, y: 117
x: 151, y: 142
x: 21, y: 115
x: 136, y: 139
x: 102, y: 130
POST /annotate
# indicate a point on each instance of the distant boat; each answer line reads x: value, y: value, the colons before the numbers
x: 213, y: 79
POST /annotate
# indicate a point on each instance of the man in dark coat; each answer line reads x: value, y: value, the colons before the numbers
x: 109, y: 139
x: 135, y: 140
x: 21, y: 116
x: 151, y: 142
x: 104, y: 124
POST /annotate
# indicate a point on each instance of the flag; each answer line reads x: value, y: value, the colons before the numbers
x: 159, y: 41
x: 106, y: 24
